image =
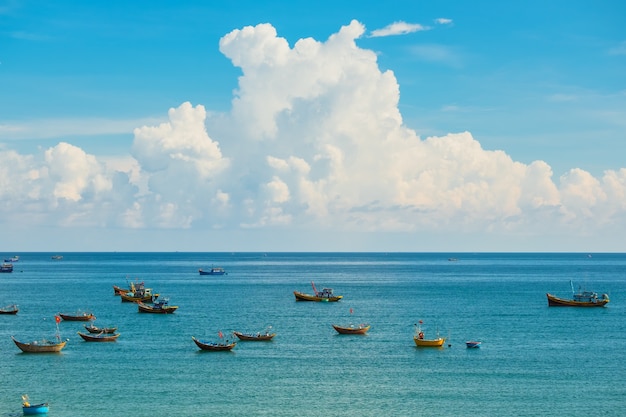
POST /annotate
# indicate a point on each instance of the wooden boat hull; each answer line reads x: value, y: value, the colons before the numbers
x: 210, y: 346
x: 35, y: 409
x: 362, y: 329
x: 79, y: 317
x: 119, y: 290
x: 554, y: 301
x: 97, y: 330
x: 255, y: 338
x: 9, y: 310
x: 103, y: 337
x: 144, y: 308
x: 307, y: 297
x: 34, y: 347
x: 132, y: 299
x: 438, y: 342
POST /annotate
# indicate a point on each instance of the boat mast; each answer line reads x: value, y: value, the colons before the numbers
x: 57, y: 320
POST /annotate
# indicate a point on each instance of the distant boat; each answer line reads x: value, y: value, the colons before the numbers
x: 214, y: 346
x: 325, y: 295
x: 94, y: 329
x: 159, y: 307
x: 100, y: 337
x: 352, y: 329
x: 33, y: 409
x: 421, y: 341
x: 12, y: 259
x: 11, y: 309
x: 77, y: 316
x: 40, y: 346
x: 56, y: 257
x: 213, y: 271
x: 6, y: 267
x: 579, y: 299
x: 263, y: 336
x: 472, y: 344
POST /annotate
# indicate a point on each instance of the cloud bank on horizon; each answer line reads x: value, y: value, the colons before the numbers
x: 314, y: 140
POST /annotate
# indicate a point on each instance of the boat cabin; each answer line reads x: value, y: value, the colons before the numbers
x: 325, y: 293
x: 589, y: 297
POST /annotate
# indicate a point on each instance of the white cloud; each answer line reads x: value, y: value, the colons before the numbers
x: 74, y: 172
x: 315, y: 141
x: 398, y: 28
x: 443, y: 21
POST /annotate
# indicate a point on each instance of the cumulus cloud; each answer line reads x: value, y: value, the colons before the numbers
x: 182, y: 166
x: 314, y: 140
x: 398, y: 28
x: 63, y: 186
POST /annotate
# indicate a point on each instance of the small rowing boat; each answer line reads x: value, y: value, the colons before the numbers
x: 100, y: 337
x: 214, y: 346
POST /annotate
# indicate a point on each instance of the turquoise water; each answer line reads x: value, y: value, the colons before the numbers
x: 534, y: 360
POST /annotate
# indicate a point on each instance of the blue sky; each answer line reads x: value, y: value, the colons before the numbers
x: 417, y: 126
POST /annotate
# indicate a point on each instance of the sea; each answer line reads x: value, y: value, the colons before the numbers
x: 534, y: 359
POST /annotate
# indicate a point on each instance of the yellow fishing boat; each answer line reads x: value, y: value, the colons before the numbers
x: 421, y: 341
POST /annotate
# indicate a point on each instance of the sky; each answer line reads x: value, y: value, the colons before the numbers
x: 413, y: 126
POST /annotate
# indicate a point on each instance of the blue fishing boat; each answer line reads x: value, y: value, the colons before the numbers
x: 213, y: 271
x: 33, y: 409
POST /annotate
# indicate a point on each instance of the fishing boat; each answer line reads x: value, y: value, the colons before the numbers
x: 138, y: 293
x: 77, y: 316
x: 421, y: 341
x: 11, y: 309
x: 213, y: 271
x: 352, y: 328
x: 120, y: 290
x: 582, y: 298
x: 56, y: 257
x: 214, y: 346
x: 159, y: 307
x: 41, y: 346
x: 95, y: 330
x: 472, y: 344
x: 100, y: 337
x: 6, y: 267
x: 33, y: 409
x: 263, y: 336
x: 325, y: 295
x: 12, y: 259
